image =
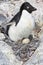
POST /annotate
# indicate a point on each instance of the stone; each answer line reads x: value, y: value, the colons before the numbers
x: 2, y: 37
x: 25, y: 41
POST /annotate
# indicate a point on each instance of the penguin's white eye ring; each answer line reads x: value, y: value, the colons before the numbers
x: 27, y: 7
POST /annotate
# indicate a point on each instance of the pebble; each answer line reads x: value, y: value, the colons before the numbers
x: 2, y: 36
x: 25, y: 41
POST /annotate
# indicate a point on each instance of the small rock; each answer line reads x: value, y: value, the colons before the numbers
x: 25, y: 41
x: 2, y: 36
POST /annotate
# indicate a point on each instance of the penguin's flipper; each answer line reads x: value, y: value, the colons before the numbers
x: 16, y: 18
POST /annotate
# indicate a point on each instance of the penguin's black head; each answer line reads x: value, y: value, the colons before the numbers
x: 27, y: 6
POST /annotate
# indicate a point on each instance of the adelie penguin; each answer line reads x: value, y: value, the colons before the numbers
x: 24, y: 23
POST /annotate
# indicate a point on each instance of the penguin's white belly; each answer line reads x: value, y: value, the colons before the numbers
x: 23, y: 28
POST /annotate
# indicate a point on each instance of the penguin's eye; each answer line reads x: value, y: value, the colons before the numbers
x: 27, y: 7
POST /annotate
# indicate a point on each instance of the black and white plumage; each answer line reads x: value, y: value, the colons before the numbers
x: 25, y: 6
x: 24, y: 23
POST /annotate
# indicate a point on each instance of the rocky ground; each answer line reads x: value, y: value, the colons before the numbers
x: 18, y: 53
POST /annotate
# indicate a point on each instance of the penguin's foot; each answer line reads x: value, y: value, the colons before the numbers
x: 30, y: 37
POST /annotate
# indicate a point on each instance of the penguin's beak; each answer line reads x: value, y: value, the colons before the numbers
x: 34, y: 9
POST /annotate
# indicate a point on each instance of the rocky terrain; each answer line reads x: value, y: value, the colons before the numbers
x: 20, y: 52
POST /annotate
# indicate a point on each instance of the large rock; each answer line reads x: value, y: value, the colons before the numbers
x: 6, y: 55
